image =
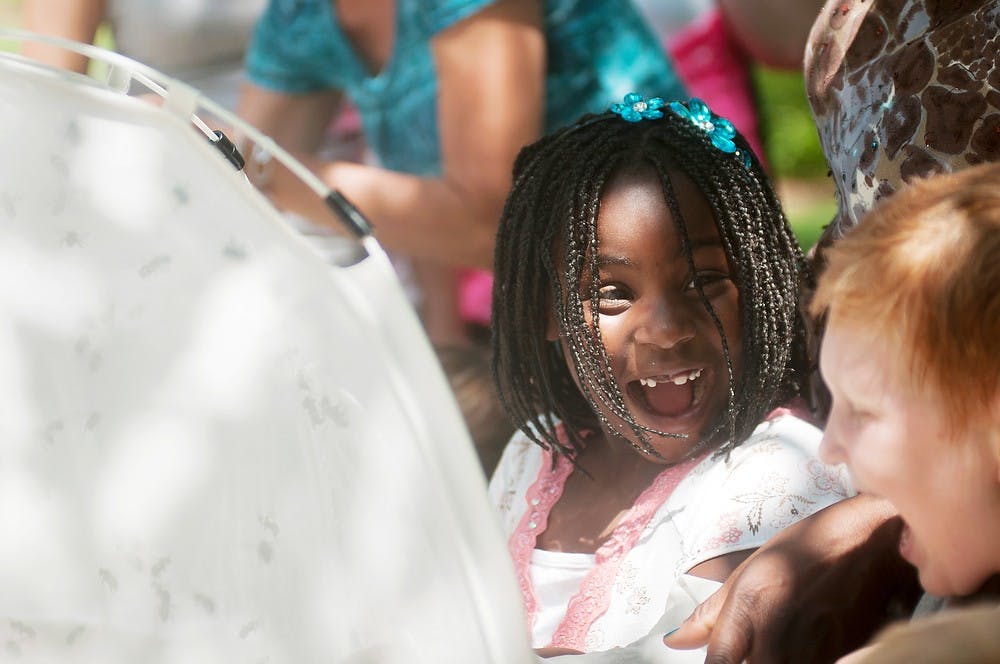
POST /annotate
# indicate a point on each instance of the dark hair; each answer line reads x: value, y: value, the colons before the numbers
x: 554, y: 202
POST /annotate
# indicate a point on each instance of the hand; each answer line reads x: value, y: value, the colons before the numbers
x: 817, y: 590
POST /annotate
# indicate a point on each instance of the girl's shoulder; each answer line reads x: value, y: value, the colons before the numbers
x: 520, y: 467
x: 772, y: 480
x: 522, y: 454
x: 517, y: 469
x: 786, y: 447
x: 518, y: 450
x: 782, y: 436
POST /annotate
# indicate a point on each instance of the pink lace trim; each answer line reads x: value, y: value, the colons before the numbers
x: 541, y: 496
x: 594, y: 596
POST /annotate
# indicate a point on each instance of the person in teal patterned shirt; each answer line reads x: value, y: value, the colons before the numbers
x: 447, y: 92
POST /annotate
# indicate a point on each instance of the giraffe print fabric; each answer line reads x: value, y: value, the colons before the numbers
x: 902, y: 89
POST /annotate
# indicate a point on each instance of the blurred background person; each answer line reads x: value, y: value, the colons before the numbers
x: 201, y: 42
x: 448, y: 92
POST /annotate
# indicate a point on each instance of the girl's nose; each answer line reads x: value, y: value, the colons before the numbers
x: 666, y: 324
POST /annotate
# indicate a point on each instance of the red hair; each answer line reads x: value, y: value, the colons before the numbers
x: 923, y: 269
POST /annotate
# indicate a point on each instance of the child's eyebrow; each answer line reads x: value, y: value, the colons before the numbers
x: 604, y: 260
x: 699, y: 244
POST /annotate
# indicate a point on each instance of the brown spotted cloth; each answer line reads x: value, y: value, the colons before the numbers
x: 901, y: 89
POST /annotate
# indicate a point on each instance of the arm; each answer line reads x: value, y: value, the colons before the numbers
x: 819, y: 589
x: 296, y: 122
x: 754, y: 24
x: 491, y: 77
x: 77, y: 20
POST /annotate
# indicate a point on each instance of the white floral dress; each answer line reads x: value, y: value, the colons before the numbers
x: 691, y: 513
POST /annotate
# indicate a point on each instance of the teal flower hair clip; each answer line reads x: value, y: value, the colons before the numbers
x: 634, y: 107
x: 720, y: 130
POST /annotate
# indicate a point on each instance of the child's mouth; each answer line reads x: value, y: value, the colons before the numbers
x: 671, y: 395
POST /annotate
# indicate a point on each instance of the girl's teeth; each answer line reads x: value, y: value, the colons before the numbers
x: 679, y: 379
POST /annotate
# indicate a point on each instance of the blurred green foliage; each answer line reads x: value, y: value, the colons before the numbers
x: 808, y: 223
x: 789, y: 130
x: 793, y: 149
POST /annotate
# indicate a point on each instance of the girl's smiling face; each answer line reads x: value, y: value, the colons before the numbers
x: 664, y: 348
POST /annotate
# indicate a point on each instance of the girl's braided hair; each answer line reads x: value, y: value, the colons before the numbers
x: 547, y: 241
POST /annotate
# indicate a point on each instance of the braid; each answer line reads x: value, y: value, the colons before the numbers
x: 547, y: 247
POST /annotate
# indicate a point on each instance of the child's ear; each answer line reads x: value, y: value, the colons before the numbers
x: 551, y: 328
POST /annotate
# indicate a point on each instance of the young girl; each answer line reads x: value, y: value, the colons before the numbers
x: 646, y: 335
x: 912, y: 298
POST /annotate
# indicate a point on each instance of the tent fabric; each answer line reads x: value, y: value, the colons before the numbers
x: 214, y: 445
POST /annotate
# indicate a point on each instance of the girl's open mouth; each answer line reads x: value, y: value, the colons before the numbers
x: 671, y: 396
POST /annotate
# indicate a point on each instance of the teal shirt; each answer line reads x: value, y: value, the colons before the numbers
x: 597, y: 52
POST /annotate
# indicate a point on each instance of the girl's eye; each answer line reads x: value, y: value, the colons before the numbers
x: 707, y: 280
x: 612, y: 292
x: 612, y: 298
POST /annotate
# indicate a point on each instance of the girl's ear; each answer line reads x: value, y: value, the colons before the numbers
x: 551, y: 328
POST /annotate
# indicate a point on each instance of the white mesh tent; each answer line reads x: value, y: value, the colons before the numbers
x: 215, y: 446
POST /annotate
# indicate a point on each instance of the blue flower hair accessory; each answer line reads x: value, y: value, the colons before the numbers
x: 634, y: 107
x: 720, y: 130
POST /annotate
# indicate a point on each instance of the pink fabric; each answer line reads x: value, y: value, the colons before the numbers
x: 594, y: 596
x: 713, y: 68
x: 797, y: 407
x: 542, y: 495
x: 475, y: 287
x: 347, y: 122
